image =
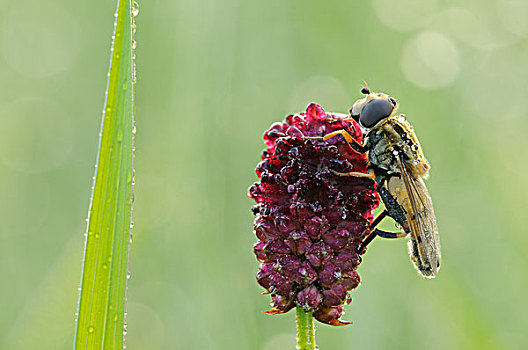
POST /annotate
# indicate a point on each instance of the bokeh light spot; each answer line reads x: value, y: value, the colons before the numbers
x: 474, y: 27
x: 514, y: 16
x: 464, y: 25
x: 39, y: 39
x: 155, y: 204
x: 283, y: 341
x: 404, y: 15
x: 325, y: 90
x: 27, y: 201
x: 491, y: 77
x: 430, y: 61
x: 145, y: 330
x: 35, y: 135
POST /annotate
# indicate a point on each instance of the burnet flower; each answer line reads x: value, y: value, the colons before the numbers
x: 310, y: 221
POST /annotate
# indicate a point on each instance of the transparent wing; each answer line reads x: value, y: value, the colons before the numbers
x: 424, y: 245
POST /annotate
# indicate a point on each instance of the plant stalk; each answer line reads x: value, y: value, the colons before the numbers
x: 305, y: 330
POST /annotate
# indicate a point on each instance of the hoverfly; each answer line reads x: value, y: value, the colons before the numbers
x: 398, y: 167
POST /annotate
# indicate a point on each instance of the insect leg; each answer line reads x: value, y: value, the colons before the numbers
x: 373, y: 232
x: 377, y: 232
x: 348, y: 138
x: 343, y: 133
x: 369, y: 175
x: 387, y: 234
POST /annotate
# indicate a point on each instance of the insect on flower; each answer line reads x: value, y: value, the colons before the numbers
x: 398, y: 167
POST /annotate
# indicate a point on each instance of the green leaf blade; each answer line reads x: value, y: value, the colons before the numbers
x: 101, y: 309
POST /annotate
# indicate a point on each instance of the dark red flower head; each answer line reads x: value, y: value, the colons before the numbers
x: 309, y: 220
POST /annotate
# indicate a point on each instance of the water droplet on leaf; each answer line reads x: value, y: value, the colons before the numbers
x: 135, y: 9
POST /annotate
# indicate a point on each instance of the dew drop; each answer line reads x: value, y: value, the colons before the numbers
x: 134, y: 130
x: 91, y: 329
x: 135, y: 9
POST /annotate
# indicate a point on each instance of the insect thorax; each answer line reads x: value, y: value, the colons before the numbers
x: 392, y: 139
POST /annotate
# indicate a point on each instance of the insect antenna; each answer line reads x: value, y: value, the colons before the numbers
x: 365, y: 89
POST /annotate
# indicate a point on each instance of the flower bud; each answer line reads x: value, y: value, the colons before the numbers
x: 310, y: 220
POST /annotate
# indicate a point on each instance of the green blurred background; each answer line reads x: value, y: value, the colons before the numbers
x: 212, y: 76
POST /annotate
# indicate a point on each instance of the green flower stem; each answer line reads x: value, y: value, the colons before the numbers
x: 305, y: 330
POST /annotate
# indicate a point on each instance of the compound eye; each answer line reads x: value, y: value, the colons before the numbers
x: 375, y: 111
